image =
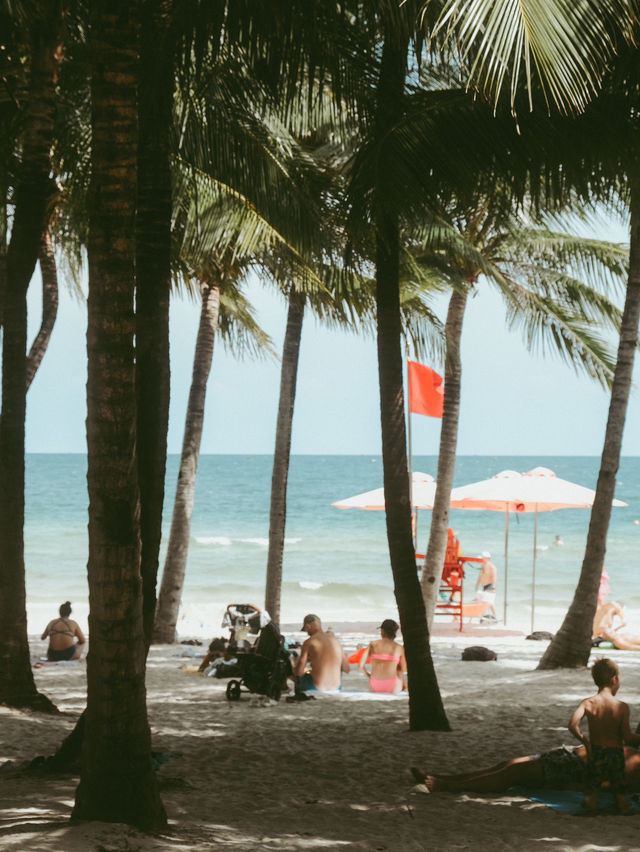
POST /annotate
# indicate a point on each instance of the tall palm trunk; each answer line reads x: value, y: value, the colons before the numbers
x: 117, y: 780
x: 178, y: 548
x: 17, y: 687
x: 282, y: 453
x: 426, y: 711
x: 49, y: 274
x: 571, y: 645
x: 447, y: 454
x: 153, y: 280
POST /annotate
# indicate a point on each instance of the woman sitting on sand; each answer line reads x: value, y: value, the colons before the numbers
x: 388, y: 664
x: 62, y: 633
x: 621, y: 638
x: 605, y: 616
x: 558, y: 769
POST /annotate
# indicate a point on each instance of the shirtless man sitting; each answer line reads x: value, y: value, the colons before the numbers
x: 325, y: 655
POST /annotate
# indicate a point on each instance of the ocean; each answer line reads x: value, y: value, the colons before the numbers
x: 336, y: 562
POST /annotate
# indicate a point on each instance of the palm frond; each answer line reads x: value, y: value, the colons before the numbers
x: 564, y: 44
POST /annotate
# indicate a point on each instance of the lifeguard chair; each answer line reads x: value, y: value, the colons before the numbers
x: 450, y: 599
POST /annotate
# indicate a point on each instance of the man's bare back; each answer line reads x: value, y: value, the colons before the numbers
x: 488, y: 574
x: 324, y: 654
x: 606, y: 718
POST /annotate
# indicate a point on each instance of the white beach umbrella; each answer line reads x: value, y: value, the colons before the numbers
x: 538, y: 490
x: 423, y: 490
x: 422, y: 495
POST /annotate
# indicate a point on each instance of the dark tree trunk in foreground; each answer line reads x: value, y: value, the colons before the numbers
x: 282, y: 453
x: 153, y: 280
x: 426, y: 711
x: 447, y: 454
x: 49, y: 274
x: 117, y: 781
x: 571, y: 645
x: 17, y: 687
x: 178, y: 548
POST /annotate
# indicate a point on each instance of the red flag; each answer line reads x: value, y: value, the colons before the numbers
x: 426, y: 393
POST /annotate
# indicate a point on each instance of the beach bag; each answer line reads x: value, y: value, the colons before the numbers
x: 479, y: 652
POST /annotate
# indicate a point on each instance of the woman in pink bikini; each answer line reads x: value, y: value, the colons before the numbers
x: 386, y: 656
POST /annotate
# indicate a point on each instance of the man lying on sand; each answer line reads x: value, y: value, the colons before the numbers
x: 558, y: 769
x: 325, y: 655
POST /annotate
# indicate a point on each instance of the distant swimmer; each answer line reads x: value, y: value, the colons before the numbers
x: 558, y: 541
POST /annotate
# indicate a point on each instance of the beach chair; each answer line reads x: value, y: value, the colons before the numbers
x: 450, y: 595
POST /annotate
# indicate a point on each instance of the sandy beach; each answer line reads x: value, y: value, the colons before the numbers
x: 323, y: 774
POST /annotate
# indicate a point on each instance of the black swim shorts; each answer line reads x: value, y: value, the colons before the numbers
x: 562, y: 767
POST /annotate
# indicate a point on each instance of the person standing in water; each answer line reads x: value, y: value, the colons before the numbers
x: 62, y: 633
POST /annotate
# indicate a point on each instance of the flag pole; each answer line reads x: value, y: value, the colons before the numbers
x: 409, y: 456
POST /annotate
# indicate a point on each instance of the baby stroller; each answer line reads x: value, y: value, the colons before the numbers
x: 263, y: 667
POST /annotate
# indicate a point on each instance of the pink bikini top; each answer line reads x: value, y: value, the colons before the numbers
x: 387, y: 658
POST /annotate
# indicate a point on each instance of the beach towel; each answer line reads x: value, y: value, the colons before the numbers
x: 43, y: 661
x: 572, y: 801
x: 359, y: 695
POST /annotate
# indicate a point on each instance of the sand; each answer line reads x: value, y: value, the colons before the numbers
x: 325, y: 774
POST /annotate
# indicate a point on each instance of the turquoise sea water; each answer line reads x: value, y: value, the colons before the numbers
x: 336, y: 561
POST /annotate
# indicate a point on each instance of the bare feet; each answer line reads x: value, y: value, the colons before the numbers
x: 422, y: 778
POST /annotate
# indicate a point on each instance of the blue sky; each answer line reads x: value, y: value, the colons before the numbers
x: 513, y: 402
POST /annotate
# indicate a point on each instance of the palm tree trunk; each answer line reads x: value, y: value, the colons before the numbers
x: 426, y: 711
x: 281, y: 456
x: 117, y: 780
x: 447, y: 454
x: 153, y: 280
x: 3, y: 249
x: 571, y: 645
x: 49, y: 275
x: 17, y: 687
x: 178, y: 548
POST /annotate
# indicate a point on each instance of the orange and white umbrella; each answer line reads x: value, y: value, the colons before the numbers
x: 538, y: 490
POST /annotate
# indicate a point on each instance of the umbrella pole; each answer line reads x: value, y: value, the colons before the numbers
x: 533, y: 573
x: 506, y: 562
x: 410, y: 461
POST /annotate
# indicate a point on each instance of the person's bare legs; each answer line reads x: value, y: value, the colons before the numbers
x: 495, y: 779
x: 622, y: 641
x: 624, y: 806
x: 591, y: 801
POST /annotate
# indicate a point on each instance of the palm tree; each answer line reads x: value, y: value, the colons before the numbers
x: 43, y: 29
x: 350, y: 302
x: 531, y: 266
x: 425, y: 705
x: 572, y: 48
x: 153, y: 281
x: 117, y: 781
x: 282, y: 452
x: 49, y: 274
x: 230, y: 217
x: 221, y: 300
